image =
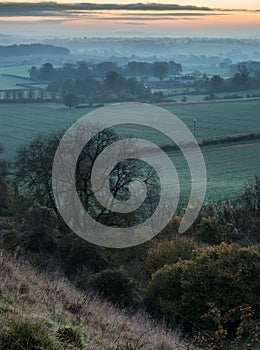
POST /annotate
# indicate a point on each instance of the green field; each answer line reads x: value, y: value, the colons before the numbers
x: 179, y: 94
x: 16, y: 70
x: 228, y: 167
x: 21, y: 122
x: 9, y: 83
x: 217, y: 120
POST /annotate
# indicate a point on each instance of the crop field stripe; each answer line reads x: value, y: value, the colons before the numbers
x: 228, y: 166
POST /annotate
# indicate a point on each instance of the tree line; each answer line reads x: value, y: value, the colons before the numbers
x: 81, y: 70
x: 113, y: 88
x: 244, y: 78
x: 32, y: 49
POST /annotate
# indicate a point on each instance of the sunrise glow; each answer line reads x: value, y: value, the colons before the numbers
x: 228, y: 18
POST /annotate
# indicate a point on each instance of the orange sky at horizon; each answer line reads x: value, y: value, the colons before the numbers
x: 232, y: 4
x: 201, y: 23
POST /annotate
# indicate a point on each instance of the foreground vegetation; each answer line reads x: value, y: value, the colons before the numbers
x: 38, y: 311
x: 205, y: 281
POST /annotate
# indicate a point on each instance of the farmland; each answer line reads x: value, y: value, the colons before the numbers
x: 21, y: 122
x: 228, y: 169
x: 219, y: 120
x: 16, y: 78
x: 193, y: 95
x: 10, y: 83
x: 228, y: 166
x: 22, y: 71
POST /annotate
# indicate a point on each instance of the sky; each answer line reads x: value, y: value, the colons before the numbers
x: 222, y: 18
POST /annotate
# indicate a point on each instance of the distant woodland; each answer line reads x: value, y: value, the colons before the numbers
x: 32, y: 49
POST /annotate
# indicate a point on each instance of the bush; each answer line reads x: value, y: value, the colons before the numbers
x: 225, y: 275
x: 78, y: 254
x: 245, y: 337
x: 171, y: 231
x: 69, y: 335
x: 239, y: 221
x: 25, y: 335
x: 169, y: 252
x: 208, y: 231
x: 116, y: 287
x: 250, y: 198
x: 38, y: 232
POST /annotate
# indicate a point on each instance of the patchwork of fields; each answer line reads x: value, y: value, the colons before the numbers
x: 228, y: 167
x: 20, y: 76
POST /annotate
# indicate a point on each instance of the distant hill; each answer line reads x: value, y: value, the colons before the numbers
x: 32, y: 49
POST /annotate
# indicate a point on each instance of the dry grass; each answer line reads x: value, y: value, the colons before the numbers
x: 54, y: 305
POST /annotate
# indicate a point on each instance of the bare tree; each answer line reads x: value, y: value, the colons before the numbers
x: 34, y: 172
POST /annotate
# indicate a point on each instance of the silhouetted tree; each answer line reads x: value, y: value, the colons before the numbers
x: 115, y: 82
x: 31, y: 95
x: 7, y: 95
x: 20, y: 95
x: 33, y: 73
x: 70, y: 100
x: 47, y: 71
x: 243, y: 71
x: 42, y: 94
x: 215, y: 83
x: 160, y: 70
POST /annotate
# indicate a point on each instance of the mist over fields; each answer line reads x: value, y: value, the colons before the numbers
x: 193, y: 53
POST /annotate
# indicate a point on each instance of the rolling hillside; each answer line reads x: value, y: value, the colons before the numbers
x: 38, y: 311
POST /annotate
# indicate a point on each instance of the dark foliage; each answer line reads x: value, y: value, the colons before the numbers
x: 32, y: 49
x: 117, y: 287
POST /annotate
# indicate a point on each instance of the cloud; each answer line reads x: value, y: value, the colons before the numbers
x: 149, y: 17
x: 63, y: 9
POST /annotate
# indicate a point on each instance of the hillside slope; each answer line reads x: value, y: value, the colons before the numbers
x: 44, y: 312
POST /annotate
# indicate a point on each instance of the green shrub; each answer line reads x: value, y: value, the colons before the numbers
x: 25, y: 335
x: 239, y: 220
x: 78, y: 254
x: 168, y: 252
x: 116, y: 287
x: 37, y: 222
x: 250, y: 198
x: 225, y: 275
x: 171, y: 231
x: 208, y: 231
x: 69, y: 335
x: 245, y: 337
